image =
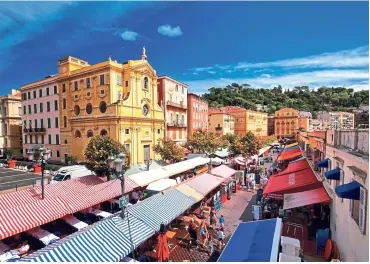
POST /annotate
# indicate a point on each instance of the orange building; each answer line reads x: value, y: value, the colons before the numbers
x: 304, y: 123
x: 286, y: 122
x: 172, y: 96
x: 247, y: 120
x: 197, y: 113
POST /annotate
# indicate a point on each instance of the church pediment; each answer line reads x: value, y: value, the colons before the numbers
x: 145, y: 69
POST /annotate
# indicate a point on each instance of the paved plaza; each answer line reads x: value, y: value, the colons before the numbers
x: 11, y: 179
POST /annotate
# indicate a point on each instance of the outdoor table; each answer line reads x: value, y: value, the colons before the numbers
x: 170, y: 234
x: 44, y: 236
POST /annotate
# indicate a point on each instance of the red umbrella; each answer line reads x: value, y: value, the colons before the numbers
x: 163, y: 252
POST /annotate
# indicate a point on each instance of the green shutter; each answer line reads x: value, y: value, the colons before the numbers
x: 42, y: 139
x: 49, y: 139
x: 49, y: 123
x: 56, y: 122
x: 57, y: 139
x: 42, y: 123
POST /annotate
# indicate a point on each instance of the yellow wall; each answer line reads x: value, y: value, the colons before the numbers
x: 286, y: 122
x: 225, y: 121
x: 125, y: 101
x: 256, y: 122
x: 304, y: 123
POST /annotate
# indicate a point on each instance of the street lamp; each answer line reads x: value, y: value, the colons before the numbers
x: 116, y: 167
x: 45, y: 156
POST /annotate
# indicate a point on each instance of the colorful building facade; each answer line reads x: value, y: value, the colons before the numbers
x: 11, y: 124
x: 248, y: 120
x: 220, y: 123
x: 40, y: 117
x: 336, y: 120
x: 197, y: 113
x: 119, y: 100
x: 270, y: 125
x: 286, y: 122
x: 172, y: 96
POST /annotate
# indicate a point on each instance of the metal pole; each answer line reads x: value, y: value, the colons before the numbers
x: 129, y: 232
x: 123, y: 195
x: 42, y: 178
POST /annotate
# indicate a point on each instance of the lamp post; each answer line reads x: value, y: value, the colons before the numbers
x: 45, y: 156
x: 116, y: 167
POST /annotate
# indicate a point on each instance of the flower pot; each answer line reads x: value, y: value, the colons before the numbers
x: 37, y: 169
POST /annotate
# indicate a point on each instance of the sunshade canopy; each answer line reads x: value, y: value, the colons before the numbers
x: 290, y: 154
x: 294, y: 166
x: 349, y: 190
x: 223, y: 171
x: 323, y: 163
x: 256, y: 241
x: 315, y: 196
x: 333, y: 174
x: 298, y: 181
x: 161, y: 185
x: 291, y: 145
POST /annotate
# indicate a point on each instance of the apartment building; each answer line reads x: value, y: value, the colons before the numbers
x: 248, y: 120
x: 347, y: 152
x: 305, y: 121
x: 11, y: 124
x: 220, y: 123
x: 172, y: 96
x: 286, y: 122
x: 270, y: 125
x: 336, y: 120
x: 197, y: 113
x: 40, y: 117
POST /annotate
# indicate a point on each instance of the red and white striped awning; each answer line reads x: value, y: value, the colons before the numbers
x: 16, y: 217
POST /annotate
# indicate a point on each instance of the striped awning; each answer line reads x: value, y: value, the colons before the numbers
x: 205, y: 183
x: 103, y: 243
x: 190, y: 192
x: 223, y: 171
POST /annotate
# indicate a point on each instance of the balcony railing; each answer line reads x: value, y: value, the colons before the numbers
x: 34, y: 130
x: 180, y: 105
x: 218, y: 127
x: 176, y: 124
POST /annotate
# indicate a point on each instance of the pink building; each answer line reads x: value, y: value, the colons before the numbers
x: 197, y: 113
x: 40, y: 117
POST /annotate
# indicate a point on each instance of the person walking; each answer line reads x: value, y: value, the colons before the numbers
x: 193, y: 234
x: 204, y: 233
x: 221, y: 220
x: 210, y: 245
x: 212, y: 217
x: 220, y: 237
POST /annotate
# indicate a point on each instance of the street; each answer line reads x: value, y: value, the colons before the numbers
x: 13, y: 179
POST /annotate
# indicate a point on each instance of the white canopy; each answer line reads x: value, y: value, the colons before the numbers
x: 44, y: 236
x: 101, y: 213
x: 161, y: 185
x: 180, y: 167
x: 146, y: 177
x: 217, y: 161
x: 73, y: 221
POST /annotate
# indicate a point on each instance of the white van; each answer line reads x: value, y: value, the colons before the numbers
x: 71, y: 172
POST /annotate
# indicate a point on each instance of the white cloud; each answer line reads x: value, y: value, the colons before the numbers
x: 355, y: 58
x: 356, y: 79
x: 211, y: 72
x: 169, y: 31
x: 129, y: 35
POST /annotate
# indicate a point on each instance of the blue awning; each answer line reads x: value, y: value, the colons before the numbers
x: 349, y: 191
x: 323, y: 163
x: 256, y: 241
x: 333, y: 174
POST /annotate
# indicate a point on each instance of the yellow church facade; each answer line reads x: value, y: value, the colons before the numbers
x: 109, y: 98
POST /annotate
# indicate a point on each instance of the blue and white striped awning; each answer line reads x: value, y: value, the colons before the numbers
x: 162, y: 208
x: 134, y: 229
x: 103, y: 243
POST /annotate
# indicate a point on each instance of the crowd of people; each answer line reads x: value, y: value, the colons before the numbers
x: 207, y: 237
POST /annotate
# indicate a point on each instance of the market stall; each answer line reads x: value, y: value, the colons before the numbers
x: 74, y: 222
x: 44, y: 236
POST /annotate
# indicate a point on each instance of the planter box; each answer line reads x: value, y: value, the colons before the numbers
x: 37, y: 169
x: 11, y: 164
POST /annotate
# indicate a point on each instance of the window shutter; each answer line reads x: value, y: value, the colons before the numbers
x: 362, y: 211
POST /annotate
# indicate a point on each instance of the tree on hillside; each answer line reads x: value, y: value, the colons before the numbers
x: 97, y: 152
x: 204, y: 142
x: 169, y: 150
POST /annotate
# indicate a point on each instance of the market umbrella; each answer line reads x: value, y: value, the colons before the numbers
x: 163, y: 252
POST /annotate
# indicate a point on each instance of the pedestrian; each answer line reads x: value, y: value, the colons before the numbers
x: 204, y: 233
x: 193, y: 234
x: 212, y: 217
x: 220, y: 236
x: 210, y: 245
x: 221, y: 220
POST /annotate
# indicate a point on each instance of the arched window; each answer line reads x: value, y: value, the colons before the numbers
x: 90, y: 134
x: 77, y: 110
x: 64, y: 103
x: 77, y: 134
x: 146, y: 83
x: 65, y: 141
x: 65, y: 121
x: 88, y: 108
x: 103, y: 107
x: 103, y: 132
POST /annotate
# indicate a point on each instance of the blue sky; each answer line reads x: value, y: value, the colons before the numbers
x: 203, y: 44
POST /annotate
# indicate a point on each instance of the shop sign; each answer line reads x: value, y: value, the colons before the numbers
x: 291, y: 179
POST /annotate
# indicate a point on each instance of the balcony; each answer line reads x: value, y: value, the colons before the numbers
x: 176, y: 124
x: 34, y: 130
x: 217, y: 128
x: 180, y: 105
